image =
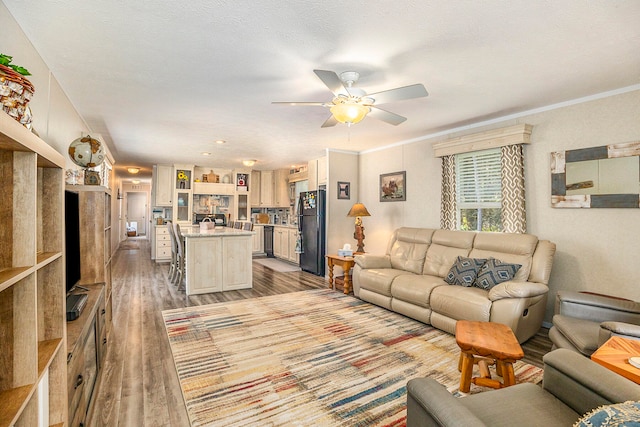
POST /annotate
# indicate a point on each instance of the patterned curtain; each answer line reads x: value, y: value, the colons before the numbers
x: 448, y: 202
x: 513, y: 201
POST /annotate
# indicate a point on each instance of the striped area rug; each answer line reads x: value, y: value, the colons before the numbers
x: 312, y: 358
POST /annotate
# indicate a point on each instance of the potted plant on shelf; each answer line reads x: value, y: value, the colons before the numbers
x: 15, y: 90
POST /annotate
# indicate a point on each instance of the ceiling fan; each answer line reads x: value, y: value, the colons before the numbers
x: 350, y: 104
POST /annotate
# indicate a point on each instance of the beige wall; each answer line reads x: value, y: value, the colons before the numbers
x: 55, y: 119
x: 596, y: 248
x: 343, y: 166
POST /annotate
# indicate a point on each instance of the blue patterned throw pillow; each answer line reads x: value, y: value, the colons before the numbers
x: 464, y: 271
x: 494, y: 272
x: 625, y: 414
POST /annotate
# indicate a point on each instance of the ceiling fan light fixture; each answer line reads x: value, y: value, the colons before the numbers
x: 349, y: 112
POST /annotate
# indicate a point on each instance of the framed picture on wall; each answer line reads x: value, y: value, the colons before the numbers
x: 344, y: 190
x: 393, y: 187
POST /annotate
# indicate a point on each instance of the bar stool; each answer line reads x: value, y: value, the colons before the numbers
x: 238, y: 225
x: 173, y: 268
x: 248, y: 226
x: 180, y: 274
x: 230, y: 224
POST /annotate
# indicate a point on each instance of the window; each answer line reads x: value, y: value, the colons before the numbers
x: 478, y: 190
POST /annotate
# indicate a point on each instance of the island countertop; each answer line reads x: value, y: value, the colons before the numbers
x: 216, y: 232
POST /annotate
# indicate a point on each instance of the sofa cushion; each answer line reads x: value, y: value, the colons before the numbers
x: 464, y: 271
x: 409, y: 248
x: 446, y: 246
x: 415, y: 289
x: 582, y: 334
x: 461, y: 303
x: 494, y: 272
x: 508, y: 247
x: 379, y: 279
x: 617, y: 415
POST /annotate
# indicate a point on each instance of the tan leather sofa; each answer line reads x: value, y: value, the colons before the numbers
x: 409, y: 278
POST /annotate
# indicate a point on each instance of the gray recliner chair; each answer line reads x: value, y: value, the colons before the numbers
x: 572, y: 386
x: 583, y: 322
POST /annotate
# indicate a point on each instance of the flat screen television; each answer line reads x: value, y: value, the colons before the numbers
x: 72, y: 239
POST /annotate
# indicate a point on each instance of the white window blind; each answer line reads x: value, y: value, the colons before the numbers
x: 478, y: 179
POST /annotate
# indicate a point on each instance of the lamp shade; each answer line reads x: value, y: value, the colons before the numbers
x: 358, y: 209
x: 349, y: 112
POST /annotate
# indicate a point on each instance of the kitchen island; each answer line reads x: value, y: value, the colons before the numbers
x: 217, y: 260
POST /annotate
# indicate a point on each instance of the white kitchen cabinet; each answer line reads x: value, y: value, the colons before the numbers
x: 162, y: 244
x: 317, y: 173
x: 163, y: 185
x: 313, y: 174
x: 213, y: 188
x: 281, y: 242
x: 281, y: 186
x: 255, y: 188
x: 293, y: 238
x: 322, y: 171
x: 258, y: 239
x: 266, y: 189
x: 183, y: 194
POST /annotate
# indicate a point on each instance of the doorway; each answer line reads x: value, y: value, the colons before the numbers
x: 136, y: 214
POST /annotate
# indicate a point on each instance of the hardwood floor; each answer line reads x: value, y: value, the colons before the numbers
x: 139, y: 385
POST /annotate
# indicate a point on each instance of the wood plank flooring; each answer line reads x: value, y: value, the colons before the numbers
x: 139, y: 385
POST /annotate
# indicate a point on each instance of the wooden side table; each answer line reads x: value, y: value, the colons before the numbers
x: 494, y: 343
x: 347, y: 264
x: 614, y: 355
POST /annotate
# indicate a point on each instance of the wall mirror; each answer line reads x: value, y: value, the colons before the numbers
x: 598, y: 177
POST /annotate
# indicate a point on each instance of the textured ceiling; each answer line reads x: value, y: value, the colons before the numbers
x: 162, y: 80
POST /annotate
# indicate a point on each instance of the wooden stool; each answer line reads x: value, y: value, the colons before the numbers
x: 486, y: 344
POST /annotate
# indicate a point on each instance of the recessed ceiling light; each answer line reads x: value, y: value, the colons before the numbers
x: 133, y: 170
x: 206, y: 154
x: 220, y: 141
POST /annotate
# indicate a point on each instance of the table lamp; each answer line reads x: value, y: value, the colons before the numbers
x: 358, y: 210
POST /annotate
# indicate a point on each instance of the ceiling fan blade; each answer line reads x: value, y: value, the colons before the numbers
x: 386, y: 116
x: 332, y: 81
x: 399, y: 94
x: 322, y: 104
x: 331, y: 121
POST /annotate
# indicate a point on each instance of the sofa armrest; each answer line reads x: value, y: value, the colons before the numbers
x: 583, y: 384
x: 430, y: 404
x: 373, y: 261
x: 611, y: 329
x: 511, y: 289
x: 596, y: 308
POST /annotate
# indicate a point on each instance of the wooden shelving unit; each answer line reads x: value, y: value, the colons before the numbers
x: 33, y: 356
x: 95, y: 239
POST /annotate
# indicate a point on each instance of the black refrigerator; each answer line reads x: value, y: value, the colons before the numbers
x: 311, y: 225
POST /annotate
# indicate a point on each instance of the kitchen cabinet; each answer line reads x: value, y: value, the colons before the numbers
x: 255, y: 190
x: 258, y: 239
x: 266, y: 189
x: 293, y: 239
x: 183, y: 194
x: 213, y: 188
x: 281, y: 242
x: 317, y: 173
x: 281, y: 187
x: 163, y: 243
x: 163, y: 185
x: 322, y: 171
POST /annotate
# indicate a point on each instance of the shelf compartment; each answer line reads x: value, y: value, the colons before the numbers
x: 44, y: 258
x: 11, y: 276
x: 46, y: 351
x: 13, y: 402
x: 51, y: 301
